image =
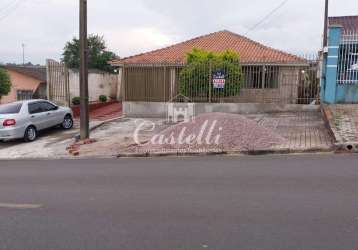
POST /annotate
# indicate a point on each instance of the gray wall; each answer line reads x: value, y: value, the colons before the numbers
x: 159, y: 109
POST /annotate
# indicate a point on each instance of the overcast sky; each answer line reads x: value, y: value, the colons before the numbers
x: 136, y: 26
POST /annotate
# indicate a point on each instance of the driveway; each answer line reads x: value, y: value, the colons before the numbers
x: 52, y: 143
x: 303, y: 130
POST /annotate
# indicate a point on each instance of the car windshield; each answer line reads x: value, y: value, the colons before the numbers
x: 12, y: 108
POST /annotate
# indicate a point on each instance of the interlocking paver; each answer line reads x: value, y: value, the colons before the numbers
x: 303, y: 130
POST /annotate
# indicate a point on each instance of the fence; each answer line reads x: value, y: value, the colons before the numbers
x: 57, y: 83
x: 348, y: 60
x: 224, y: 83
x: 64, y: 84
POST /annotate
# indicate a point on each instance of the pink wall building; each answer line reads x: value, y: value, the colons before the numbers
x: 27, y: 83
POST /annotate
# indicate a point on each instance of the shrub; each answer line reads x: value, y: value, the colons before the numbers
x: 103, y: 98
x: 5, y: 84
x: 76, y: 100
x: 195, y: 77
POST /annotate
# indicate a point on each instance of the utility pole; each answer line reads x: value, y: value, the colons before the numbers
x: 23, y: 54
x: 325, y: 33
x: 84, y: 113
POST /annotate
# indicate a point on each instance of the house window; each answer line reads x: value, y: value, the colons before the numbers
x: 253, y: 77
x: 271, y: 77
x: 24, y: 95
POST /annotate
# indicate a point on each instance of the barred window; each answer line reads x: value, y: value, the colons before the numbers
x: 24, y: 95
x: 253, y: 77
x: 348, y: 59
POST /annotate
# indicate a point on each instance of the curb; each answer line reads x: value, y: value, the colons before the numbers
x: 100, y: 124
x: 328, y: 118
x: 283, y: 151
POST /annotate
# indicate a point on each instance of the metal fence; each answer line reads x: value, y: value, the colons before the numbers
x: 58, y: 83
x: 348, y: 59
x: 223, y: 83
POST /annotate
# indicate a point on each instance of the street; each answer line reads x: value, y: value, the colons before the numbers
x: 262, y: 202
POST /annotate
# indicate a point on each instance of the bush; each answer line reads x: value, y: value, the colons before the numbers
x: 76, y: 100
x: 103, y: 98
x: 195, y: 76
x: 5, y: 84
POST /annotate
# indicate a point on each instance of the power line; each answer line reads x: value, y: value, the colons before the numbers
x: 267, y: 16
x: 10, y: 9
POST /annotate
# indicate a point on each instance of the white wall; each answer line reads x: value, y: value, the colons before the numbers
x: 99, y: 83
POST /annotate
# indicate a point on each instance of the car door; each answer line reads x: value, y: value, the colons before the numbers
x: 54, y: 116
x: 38, y: 116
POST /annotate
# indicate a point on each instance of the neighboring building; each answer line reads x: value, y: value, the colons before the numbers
x: 27, y: 82
x: 340, y: 84
x: 349, y: 23
x: 270, y: 75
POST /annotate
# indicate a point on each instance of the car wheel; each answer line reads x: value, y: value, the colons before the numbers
x: 67, y: 122
x: 30, y: 134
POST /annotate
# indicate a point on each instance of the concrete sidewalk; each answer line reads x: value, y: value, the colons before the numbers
x: 343, y: 122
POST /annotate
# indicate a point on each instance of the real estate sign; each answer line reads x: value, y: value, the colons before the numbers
x: 219, y: 79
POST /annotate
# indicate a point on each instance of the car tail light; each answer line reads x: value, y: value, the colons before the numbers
x: 9, y: 122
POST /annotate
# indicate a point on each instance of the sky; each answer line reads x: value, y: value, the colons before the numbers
x: 137, y: 26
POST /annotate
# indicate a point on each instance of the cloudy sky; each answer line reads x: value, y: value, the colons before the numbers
x: 135, y: 26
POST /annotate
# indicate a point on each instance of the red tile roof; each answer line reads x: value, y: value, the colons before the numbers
x: 349, y: 23
x: 249, y: 50
x: 36, y: 72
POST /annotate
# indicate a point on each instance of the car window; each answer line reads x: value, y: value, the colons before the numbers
x: 12, y: 108
x: 46, y: 106
x: 35, y: 108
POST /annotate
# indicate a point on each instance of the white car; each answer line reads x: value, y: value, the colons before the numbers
x: 25, y: 119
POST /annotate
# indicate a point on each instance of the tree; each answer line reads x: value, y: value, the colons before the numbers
x: 98, y: 55
x: 5, y: 83
x: 196, y: 77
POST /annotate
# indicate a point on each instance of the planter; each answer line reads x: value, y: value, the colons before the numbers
x: 92, y: 106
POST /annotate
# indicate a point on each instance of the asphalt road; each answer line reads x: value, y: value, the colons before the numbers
x: 269, y: 202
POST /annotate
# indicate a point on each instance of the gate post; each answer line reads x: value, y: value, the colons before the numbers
x: 210, y: 80
x: 334, y: 41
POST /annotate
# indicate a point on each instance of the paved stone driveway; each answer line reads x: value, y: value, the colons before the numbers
x: 303, y: 130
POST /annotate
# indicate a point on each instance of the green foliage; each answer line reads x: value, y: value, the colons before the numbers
x: 103, y: 98
x: 195, y: 78
x: 5, y: 83
x: 98, y: 55
x: 76, y: 100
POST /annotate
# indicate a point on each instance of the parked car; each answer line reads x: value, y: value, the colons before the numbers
x: 25, y: 119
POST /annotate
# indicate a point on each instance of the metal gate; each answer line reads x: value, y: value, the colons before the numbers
x: 58, y: 90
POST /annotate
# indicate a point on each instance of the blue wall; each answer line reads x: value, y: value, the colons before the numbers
x: 331, y: 92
